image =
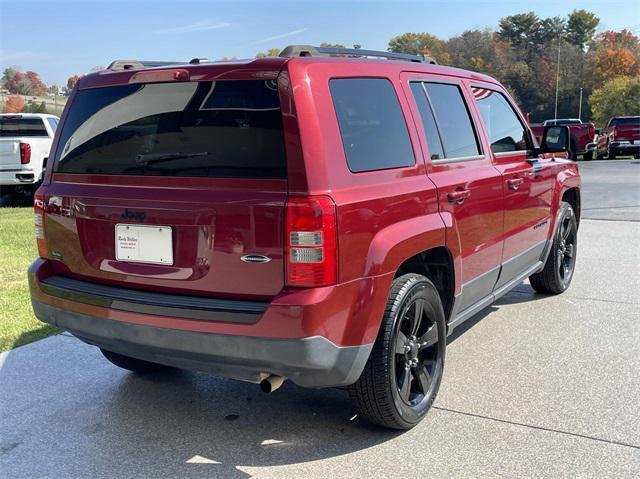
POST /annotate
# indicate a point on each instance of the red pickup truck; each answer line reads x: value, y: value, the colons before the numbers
x: 621, y: 136
x: 328, y: 220
x: 582, y: 135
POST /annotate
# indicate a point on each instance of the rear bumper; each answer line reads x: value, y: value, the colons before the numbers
x: 17, y: 177
x: 310, y: 362
x: 625, y: 146
x: 316, y: 338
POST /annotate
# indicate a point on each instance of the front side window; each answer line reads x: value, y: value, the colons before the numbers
x: 374, y: 132
x: 230, y: 128
x: 506, y: 132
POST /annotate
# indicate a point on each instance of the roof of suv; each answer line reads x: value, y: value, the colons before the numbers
x: 106, y: 77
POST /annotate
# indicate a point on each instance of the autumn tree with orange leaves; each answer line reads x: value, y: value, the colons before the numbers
x: 615, y: 54
x: 15, y: 104
x: 71, y: 82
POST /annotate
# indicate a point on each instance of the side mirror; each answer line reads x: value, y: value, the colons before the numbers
x: 555, y: 139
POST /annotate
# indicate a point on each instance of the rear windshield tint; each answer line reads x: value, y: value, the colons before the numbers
x: 633, y: 121
x: 217, y: 129
x: 22, y: 127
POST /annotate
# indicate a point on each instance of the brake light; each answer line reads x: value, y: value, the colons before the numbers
x: 614, y: 133
x: 25, y: 153
x: 311, y: 242
x: 592, y: 131
x: 154, y: 76
x: 39, y: 209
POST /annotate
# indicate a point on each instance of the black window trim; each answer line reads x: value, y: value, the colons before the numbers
x: 530, y: 138
x: 404, y: 119
x: 457, y: 159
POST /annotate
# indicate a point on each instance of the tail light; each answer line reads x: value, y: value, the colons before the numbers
x: 39, y: 209
x: 311, y: 242
x: 614, y: 133
x: 25, y: 153
x: 592, y: 131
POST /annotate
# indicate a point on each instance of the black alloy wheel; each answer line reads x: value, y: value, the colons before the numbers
x: 558, y: 269
x: 401, y: 378
x: 416, y: 352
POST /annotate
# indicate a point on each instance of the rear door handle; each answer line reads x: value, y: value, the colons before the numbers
x: 458, y: 196
x: 514, y: 183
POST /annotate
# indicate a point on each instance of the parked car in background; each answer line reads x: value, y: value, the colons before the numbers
x: 25, y: 141
x: 620, y: 137
x: 327, y: 220
x: 582, y: 135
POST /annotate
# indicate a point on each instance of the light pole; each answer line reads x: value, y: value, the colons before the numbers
x: 580, y: 106
x: 555, y: 112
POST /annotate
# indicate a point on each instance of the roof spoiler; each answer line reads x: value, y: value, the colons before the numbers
x: 310, y: 51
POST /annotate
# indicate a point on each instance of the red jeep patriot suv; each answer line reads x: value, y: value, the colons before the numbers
x: 317, y: 217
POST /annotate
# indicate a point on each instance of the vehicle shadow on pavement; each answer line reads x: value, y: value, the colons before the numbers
x: 194, y: 424
x: 523, y: 293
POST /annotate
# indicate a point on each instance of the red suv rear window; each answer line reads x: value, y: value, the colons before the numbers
x: 217, y: 129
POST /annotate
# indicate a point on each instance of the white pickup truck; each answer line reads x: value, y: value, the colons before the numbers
x: 25, y: 141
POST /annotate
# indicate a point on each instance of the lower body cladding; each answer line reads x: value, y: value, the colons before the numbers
x: 311, y: 361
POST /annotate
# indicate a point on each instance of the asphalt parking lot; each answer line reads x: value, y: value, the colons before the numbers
x: 534, y: 386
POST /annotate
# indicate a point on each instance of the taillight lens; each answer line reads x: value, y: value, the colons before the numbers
x: 39, y: 208
x: 592, y: 131
x: 25, y: 153
x: 614, y: 133
x: 311, y: 242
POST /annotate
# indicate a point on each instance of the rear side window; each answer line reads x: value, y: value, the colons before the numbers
x: 506, y: 132
x: 428, y: 122
x: 374, y: 132
x: 453, y: 120
x: 230, y: 128
x: 15, y: 126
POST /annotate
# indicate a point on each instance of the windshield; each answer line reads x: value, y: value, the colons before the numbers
x: 219, y: 129
x: 16, y: 126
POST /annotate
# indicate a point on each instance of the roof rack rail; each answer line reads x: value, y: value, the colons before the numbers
x: 310, y: 51
x: 137, y: 64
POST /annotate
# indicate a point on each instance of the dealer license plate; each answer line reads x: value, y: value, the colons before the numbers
x: 144, y: 244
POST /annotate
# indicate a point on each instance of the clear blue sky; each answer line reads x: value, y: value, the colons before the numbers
x: 58, y: 38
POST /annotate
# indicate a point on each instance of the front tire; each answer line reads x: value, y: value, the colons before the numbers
x: 402, y: 376
x: 588, y: 156
x: 133, y: 364
x: 558, y: 270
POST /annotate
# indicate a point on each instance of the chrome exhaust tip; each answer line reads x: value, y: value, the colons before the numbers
x: 271, y: 383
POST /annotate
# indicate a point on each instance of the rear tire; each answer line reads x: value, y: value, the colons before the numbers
x: 403, y: 374
x: 133, y: 364
x: 558, y: 270
x: 588, y: 156
x: 611, y: 153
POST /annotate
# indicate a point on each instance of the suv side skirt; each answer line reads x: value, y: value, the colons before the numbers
x: 458, y: 317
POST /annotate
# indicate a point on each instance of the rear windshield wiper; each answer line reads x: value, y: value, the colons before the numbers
x: 148, y: 158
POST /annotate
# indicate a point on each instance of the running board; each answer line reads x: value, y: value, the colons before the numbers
x: 495, y: 295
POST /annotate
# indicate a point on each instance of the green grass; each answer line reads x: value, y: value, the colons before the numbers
x: 18, y: 249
